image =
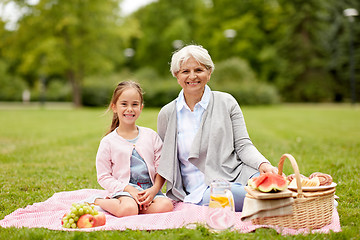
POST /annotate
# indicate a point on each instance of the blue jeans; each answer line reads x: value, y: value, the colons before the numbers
x: 237, y: 190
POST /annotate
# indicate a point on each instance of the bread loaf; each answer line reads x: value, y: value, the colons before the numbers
x: 306, y: 182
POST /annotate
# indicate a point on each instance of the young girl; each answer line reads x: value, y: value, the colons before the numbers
x: 127, y: 159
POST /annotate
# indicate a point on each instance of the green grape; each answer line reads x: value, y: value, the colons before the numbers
x: 96, y: 212
x: 78, y: 207
x: 72, y: 215
x: 73, y: 209
x: 92, y: 212
x: 86, y: 209
x: 73, y: 225
x: 81, y: 211
x: 76, y: 218
x: 71, y: 220
x: 65, y: 221
x: 68, y: 225
x: 74, y: 204
x: 64, y: 225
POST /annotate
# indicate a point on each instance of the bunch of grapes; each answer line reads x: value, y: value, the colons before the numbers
x: 70, y: 219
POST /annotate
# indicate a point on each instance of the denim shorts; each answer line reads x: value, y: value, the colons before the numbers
x: 126, y: 194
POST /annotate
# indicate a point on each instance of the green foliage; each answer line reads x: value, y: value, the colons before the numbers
x: 300, y: 48
x: 158, y: 90
x: 157, y: 94
x: 54, y: 91
x: 252, y: 93
x: 236, y: 77
x: 12, y: 87
x: 44, y: 160
x: 97, y: 90
x: 71, y: 39
x: 233, y: 70
x: 96, y: 95
x: 58, y: 91
x: 304, y: 66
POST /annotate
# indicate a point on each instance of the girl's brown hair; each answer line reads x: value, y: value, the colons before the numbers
x: 117, y: 92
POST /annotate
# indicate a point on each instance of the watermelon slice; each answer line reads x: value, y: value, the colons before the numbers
x: 268, y: 182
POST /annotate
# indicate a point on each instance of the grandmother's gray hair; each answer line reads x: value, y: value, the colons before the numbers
x: 198, y: 52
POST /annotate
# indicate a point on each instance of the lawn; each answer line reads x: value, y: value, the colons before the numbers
x: 45, y: 150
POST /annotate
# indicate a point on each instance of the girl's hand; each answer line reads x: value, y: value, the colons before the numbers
x: 133, y: 192
x: 146, y: 197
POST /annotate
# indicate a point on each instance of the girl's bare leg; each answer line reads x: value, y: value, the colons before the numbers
x: 159, y: 205
x: 121, y: 207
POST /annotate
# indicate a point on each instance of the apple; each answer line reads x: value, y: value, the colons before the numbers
x: 62, y: 219
x: 99, y: 219
x: 86, y: 221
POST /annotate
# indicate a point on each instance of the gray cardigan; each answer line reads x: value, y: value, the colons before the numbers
x: 221, y: 148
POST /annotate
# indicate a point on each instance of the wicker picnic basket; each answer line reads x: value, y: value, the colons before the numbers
x: 313, y: 210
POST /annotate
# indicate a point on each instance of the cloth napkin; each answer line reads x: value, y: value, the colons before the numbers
x: 259, y: 208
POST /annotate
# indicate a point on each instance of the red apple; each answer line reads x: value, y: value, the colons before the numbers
x: 86, y: 221
x: 62, y: 219
x: 99, y: 219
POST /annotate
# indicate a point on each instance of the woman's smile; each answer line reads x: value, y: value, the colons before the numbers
x: 193, y: 83
x: 193, y: 76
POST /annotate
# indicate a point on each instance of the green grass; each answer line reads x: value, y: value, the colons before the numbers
x: 44, y: 151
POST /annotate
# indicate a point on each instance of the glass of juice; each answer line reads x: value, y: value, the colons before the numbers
x: 221, y: 209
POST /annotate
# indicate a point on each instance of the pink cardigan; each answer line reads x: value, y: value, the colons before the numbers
x: 113, y: 158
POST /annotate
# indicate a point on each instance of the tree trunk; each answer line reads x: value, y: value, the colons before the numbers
x: 76, y: 88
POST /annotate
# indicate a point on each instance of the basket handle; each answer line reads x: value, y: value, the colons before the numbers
x: 296, y: 170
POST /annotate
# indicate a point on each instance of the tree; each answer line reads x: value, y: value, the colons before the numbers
x: 338, y: 41
x: 302, y: 77
x: 162, y: 23
x: 71, y: 39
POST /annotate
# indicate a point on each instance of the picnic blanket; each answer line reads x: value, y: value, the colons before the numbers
x: 48, y: 215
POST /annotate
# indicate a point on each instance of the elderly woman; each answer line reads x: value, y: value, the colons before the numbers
x: 204, y: 135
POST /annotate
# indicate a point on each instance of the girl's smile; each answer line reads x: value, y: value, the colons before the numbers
x: 128, y: 107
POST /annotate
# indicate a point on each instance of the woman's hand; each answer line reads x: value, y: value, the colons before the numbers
x: 267, y: 167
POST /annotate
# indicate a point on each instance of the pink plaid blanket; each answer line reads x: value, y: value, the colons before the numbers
x: 48, y: 215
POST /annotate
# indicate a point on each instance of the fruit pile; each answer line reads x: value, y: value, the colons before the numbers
x: 83, y: 215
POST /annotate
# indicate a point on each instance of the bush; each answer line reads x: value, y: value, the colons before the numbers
x: 158, y: 90
x: 57, y: 90
x: 11, y: 87
x: 252, y: 93
x: 97, y: 90
x: 233, y: 70
x: 235, y: 76
x: 96, y: 95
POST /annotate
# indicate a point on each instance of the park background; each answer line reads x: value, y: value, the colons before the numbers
x: 265, y: 51
x: 292, y: 65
